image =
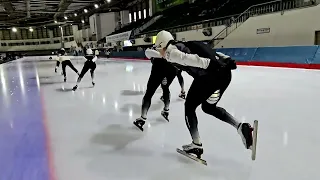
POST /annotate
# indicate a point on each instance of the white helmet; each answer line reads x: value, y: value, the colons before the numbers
x: 162, y: 39
x: 89, y: 52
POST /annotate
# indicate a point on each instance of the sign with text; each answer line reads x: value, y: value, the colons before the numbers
x: 263, y: 30
x: 119, y: 37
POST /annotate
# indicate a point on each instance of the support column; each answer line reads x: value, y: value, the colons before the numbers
x: 62, y: 37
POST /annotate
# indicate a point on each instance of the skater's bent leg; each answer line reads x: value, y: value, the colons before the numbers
x: 220, y: 113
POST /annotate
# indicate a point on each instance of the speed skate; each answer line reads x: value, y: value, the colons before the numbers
x: 254, y: 140
x: 253, y: 148
x: 191, y: 156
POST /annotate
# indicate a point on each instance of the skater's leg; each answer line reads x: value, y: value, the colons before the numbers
x: 93, y: 68
x: 165, y: 88
x: 166, y: 82
x: 152, y: 86
x: 64, y: 70
x: 57, y: 65
x: 181, y: 81
x: 72, y: 67
x: 153, y: 83
x: 166, y: 94
x: 83, y: 72
x: 210, y: 105
x: 199, y: 91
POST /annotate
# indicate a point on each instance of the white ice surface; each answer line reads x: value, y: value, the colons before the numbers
x: 93, y: 137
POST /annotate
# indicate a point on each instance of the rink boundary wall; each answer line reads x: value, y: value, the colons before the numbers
x: 307, y: 57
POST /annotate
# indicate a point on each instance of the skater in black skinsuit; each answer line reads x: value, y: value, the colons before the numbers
x: 65, y: 61
x: 157, y: 77
x: 212, y: 75
x: 90, y: 64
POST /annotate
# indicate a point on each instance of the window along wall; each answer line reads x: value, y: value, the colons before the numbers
x: 37, y: 33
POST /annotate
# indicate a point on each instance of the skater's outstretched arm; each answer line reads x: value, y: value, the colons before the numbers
x: 173, y: 54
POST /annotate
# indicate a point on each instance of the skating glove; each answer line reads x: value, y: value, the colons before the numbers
x: 151, y: 53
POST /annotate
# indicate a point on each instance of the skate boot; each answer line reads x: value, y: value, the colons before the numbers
x: 193, y: 148
x: 65, y: 79
x: 55, y: 70
x: 75, y: 88
x: 140, y: 122
x: 93, y: 83
x: 182, y: 95
x: 165, y: 114
x: 245, y: 132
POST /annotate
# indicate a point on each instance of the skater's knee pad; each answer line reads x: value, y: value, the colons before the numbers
x: 214, y: 98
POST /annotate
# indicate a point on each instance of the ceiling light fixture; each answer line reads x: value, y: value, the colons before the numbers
x: 96, y: 6
x: 85, y: 10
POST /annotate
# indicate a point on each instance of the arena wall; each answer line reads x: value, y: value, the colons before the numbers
x: 295, y: 27
x: 307, y: 57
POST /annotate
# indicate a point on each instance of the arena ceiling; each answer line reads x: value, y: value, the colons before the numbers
x: 23, y: 13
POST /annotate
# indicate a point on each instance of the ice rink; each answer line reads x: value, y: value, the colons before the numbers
x: 48, y: 132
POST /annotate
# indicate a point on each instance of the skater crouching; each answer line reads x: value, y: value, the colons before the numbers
x: 65, y: 61
x: 162, y: 73
x: 90, y: 64
x: 212, y: 75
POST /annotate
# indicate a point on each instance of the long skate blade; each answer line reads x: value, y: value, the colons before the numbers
x: 254, y: 138
x: 192, y: 157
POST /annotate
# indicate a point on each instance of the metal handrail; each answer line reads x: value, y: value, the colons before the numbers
x: 192, y: 24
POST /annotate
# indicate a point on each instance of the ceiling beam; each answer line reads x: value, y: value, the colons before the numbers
x: 63, y: 6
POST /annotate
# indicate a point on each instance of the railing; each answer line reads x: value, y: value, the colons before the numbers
x: 259, y: 9
x: 192, y: 26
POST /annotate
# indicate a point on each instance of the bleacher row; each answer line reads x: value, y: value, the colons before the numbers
x: 199, y: 11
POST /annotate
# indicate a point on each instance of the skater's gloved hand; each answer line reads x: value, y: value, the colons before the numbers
x: 151, y: 53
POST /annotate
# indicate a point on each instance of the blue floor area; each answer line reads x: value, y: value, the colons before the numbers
x: 23, y: 153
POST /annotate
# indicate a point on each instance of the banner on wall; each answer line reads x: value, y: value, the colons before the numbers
x: 161, y: 5
x: 263, y: 30
x: 119, y: 37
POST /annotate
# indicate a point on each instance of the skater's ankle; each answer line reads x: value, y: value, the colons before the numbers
x: 166, y: 109
x: 197, y: 142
